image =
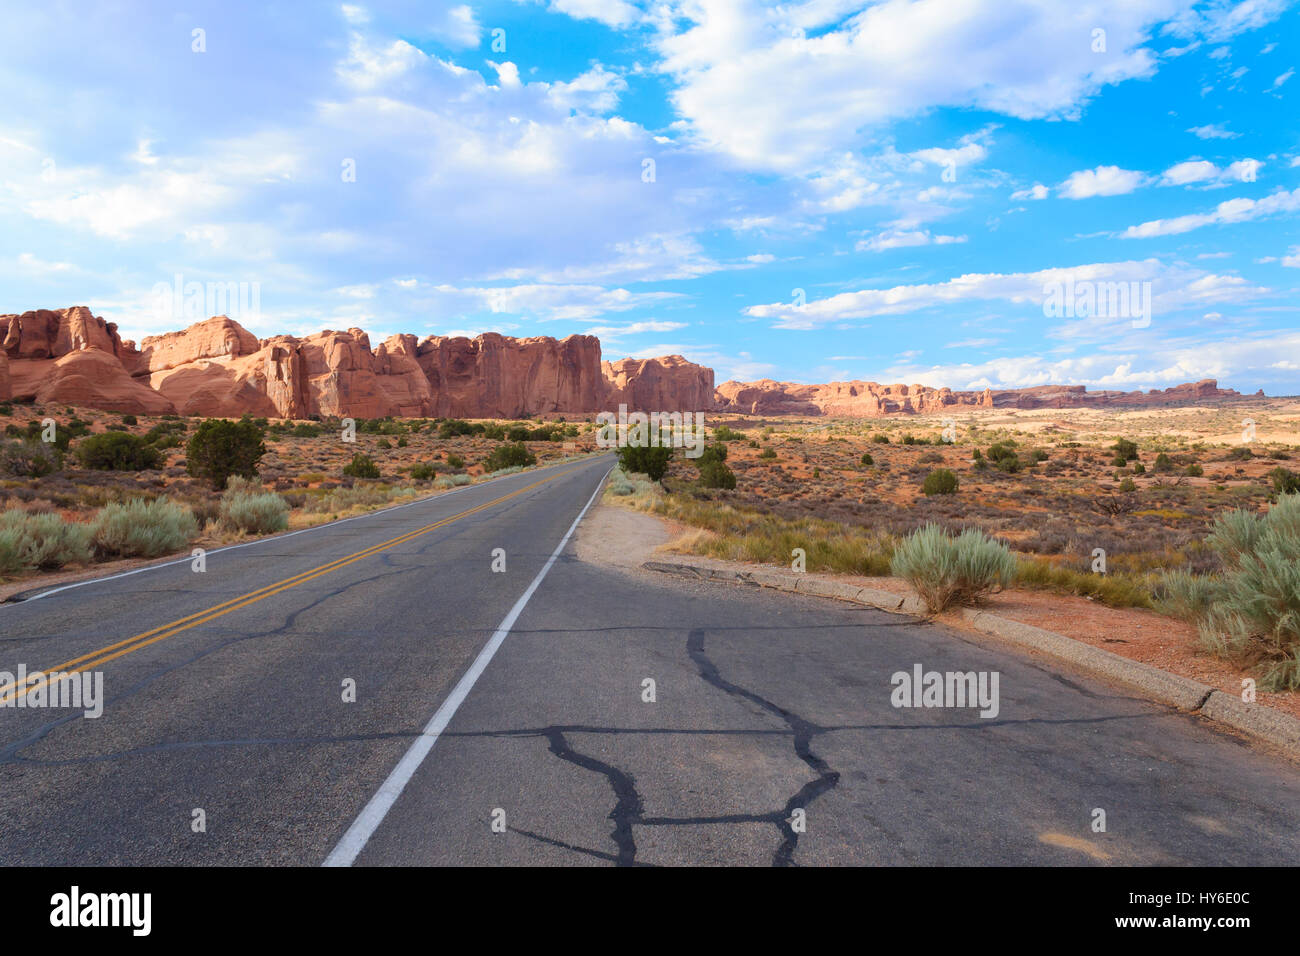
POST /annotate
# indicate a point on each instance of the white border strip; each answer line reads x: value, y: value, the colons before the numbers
x: 274, y: 537
x: 359, y: 834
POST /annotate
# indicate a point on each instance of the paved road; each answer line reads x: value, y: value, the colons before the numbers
x: 227, y: 697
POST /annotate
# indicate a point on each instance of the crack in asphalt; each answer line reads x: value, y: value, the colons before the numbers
x: 628, y: 808
x: 803, y: 730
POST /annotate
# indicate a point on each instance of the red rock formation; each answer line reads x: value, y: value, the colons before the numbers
x: 218, y: 368
x: 492, y: 376
x: 870, y: 400
x: 844, y: 399
x: 89, y: 377
x: 668, y: 384
x: 46, y: 334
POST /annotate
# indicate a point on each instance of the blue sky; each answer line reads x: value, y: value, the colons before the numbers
x: 840, y: 190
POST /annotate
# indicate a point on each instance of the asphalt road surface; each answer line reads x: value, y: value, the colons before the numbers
x: 504, y: 717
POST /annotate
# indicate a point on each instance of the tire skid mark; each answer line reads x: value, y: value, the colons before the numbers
x: 803, y: 730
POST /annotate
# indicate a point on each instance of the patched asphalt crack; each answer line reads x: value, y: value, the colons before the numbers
x: 803, y: 730
x: 628, y: 808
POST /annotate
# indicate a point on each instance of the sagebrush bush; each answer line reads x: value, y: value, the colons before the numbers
x: 142, y: 529
x: 451, y: 481
x: 947, y: 570
x: 1251, y: 612
x: 246, y: 507
x: 40, y: 542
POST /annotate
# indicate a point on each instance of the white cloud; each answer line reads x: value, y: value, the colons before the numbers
x: 1283, y: 78
x: 893, y: 59
x: 1292, y: 261
x: 1213, y: 131
x: 595, y: 91
x: 1150, y: 366
x: 898, y: 238
x: 1203, y: 171
x: 1102, y: 181
x: 612, y: 13
x: 544, y: 301
x: 1036, y: 191
x: 1173, y: 288
x: 458, y: 28
x: 1228, y: 211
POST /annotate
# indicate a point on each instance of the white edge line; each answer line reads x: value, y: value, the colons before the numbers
x: 275, y: 537
x: 368, y: 821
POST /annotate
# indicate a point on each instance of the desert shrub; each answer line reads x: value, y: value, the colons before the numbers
x: 384, y: 443
x: 649, y: 460
x: 947, y: 570
x: 1240, y: 453
x: 451, y: 481
x: 206, y: 512
x: 715, y: 452
x: 930, y: 458
x: 40, y: 542
x: 220, y: 448
x: 1124, y: 450
x: 941, y: 481
x: 1164, y: 463
x: 1009, y: 463
x: 714, y: 473
x: 509, y: 456
x: 361, y: 466
x: 455, y: 461
x: 1128, y: 484
x: 1251, y: 612
x: 246, y: 507
x: 1285, y: 481
x: 143, y: 529
x: 28, y: 459
x: 867, y: 459
x: 880, y: 439
x: 117, y: 451
x: 422, y: 471
x: 723, y: 433
x: 767, y: 453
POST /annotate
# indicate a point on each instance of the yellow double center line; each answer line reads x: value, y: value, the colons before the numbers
x: 131, y: 644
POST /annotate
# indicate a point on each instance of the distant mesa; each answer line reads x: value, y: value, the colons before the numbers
x: 218, y: 368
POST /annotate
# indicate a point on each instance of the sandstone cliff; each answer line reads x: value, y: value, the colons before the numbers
x: 218, y: 368
x: 872, y: 400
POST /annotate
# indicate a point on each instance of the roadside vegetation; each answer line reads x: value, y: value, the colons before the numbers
x: 79, y: 487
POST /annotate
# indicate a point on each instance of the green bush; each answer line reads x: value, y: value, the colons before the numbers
x: 880, y: 438
x: 1285, y: 481
x: 117, y: 451
x: 1164, y: 464
x: 220, y: 448
x: 40, y: 542
x: 247, y: 507
x: 422, y: 471
x: 941, y: 481
x: 867, y: 459
x: 28, y: 459
x: 361, y: 466
x: 947, y: 570
x: 509, y: 456
x: 649, y: 460
x: 1194, y: 470
x: 723, y: 433
x: 767, y: 453
x: 142, y: 529
x: 455, y: 461
x: 714, y: 473
x: 1125, y: 450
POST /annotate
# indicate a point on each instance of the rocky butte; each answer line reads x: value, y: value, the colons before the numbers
x: 218, y: 368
